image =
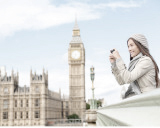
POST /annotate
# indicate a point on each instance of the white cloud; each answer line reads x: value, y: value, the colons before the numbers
x: 130, y: 4
x: 17, y: 15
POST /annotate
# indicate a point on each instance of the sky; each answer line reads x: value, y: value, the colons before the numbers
x: 35, y: 34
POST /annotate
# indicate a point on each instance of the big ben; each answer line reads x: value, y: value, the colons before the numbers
x: 76, y: 61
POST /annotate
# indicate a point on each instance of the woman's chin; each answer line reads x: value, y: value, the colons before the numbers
x: 132, y: 56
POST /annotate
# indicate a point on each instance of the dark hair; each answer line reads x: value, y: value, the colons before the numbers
x: 145, y: 51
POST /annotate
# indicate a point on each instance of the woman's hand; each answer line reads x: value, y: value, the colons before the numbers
x: 111, y: 58
x: 114, y: 55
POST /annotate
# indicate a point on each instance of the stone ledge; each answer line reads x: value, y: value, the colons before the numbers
x: 140, y: 110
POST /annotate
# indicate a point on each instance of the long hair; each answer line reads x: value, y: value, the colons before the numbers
x: 145, y: 51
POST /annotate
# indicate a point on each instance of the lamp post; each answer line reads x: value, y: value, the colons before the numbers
x: 93, y: 101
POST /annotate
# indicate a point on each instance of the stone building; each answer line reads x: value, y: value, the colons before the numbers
x: 76, y: 61
x: 65, y: 106
x: 34, y: 105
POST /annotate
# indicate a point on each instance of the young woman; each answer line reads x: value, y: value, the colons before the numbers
x: 142, y: 73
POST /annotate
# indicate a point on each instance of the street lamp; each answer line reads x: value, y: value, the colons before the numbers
x: 93, y: 102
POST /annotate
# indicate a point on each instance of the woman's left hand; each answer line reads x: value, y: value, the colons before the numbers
x: 116, y: 54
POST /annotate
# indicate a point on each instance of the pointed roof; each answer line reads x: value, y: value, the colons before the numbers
x: 76, y: 33
x: 75, y: 25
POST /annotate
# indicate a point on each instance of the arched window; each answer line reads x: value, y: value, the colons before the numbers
x: 5, y: 90
x: 5, y: 104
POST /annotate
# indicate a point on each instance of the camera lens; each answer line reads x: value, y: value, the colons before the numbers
x: 112, y: 50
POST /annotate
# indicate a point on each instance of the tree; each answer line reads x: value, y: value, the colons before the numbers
x: 99, y: 103
x: 73, y: 116
x: 87, y: 106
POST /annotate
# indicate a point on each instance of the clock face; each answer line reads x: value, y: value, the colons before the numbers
x: 75, y: 54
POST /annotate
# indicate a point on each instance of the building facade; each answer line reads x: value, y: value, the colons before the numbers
x: 76, y: 61
x: 37, y: 105
x: 28, y: 106
x: 65, y: 107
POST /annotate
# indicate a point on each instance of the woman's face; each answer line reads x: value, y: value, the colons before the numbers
x: 133, y: 49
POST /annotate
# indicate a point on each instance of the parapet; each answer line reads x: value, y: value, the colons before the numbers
x: 13, y: 79
x: 39, y: 78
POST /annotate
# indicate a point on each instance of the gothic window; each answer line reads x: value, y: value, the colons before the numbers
x: 5, y: 104
x: 37, y: 89
x: 26, y: 103
x: 5, y: 90
x: 26, y: 115
x: 37, y: 114
x: 36, y: 102
x: 21, y: 103
x: 21, y: 115
x: 15, y: 115
x: 15, y: 103
x: 5, y: 115
x: 66, y: 114
x: 66, y: 104
x: 40, y: 77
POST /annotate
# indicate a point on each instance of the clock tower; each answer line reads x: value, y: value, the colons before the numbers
x: 76, y: 61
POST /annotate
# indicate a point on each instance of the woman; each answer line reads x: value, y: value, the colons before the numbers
x: 142, y: 73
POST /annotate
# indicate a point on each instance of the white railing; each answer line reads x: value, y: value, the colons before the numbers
x: 140, y: 110
x: 65, y: 122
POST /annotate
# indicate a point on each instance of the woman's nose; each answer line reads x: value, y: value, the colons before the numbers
x: 129, y: 48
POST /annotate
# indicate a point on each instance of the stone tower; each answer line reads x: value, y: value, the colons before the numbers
x: 38, y: 85
x: 8, y: 85
x: 76, y: 61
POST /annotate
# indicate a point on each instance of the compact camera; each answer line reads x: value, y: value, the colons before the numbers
x: 112, y: 50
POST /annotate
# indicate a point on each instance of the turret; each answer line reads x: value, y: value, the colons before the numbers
x: 39, y: 82
x: 12, y: 81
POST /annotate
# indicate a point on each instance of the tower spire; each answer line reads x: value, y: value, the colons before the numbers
x: 76, y: 30
x: 76, y: 33
x: 76, y: 25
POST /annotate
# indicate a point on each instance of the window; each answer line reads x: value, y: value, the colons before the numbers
x: 66, y: 104
x: 15, y: 115
x: 36, y: 102
x: 26, y: 103
x: 5, y: 104
x: 21, y: 115
x: 21, y: 103
x: 15, y: 103
x: 66, y: 114
x: 37, y: 114
x: 5, y: 90
x: 37, y: 89
x: 5, y: 115
x: 26, y: 115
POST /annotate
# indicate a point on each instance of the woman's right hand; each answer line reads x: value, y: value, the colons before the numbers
x: 111, y: 58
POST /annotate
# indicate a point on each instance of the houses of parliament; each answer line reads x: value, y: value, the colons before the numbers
x: 36, y: 104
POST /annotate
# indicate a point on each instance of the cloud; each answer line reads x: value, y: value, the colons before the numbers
x: 122, y: 4
x: 17, y: 15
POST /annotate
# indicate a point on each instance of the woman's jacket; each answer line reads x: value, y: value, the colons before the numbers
x: 143, y: 73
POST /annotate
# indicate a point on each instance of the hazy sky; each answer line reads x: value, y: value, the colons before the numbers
x: 36, y: 34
